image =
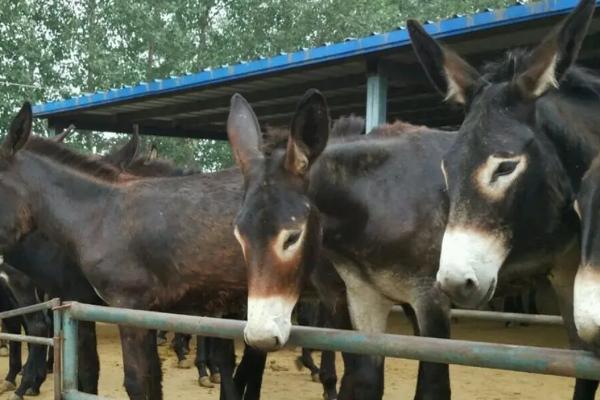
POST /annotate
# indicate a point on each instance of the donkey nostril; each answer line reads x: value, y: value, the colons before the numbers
x: 470, y: 284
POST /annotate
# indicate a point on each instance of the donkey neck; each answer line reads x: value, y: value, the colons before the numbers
x: 573, y: 126
x: 65, y: 204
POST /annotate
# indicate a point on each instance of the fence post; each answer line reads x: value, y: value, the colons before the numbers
x: 57, y: 349
x: 70, y: 356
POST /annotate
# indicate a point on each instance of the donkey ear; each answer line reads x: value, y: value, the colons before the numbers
x: 60, y: 138
x: 309, y: 132
x: 153, y: 153
x: 19, y: 131
x: 244, y: 133
x: 550, y: 60
x: 452, y: 76
x: 123, y: 157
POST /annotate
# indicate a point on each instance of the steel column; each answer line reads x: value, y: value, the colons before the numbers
x: 70, y: 354
x: 377, y: 85
x: 487, y: 355
x: 57, y: 339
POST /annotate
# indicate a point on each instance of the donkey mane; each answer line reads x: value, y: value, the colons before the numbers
x: 65, y: 156
x: 514, y: 62
x: 345, y: 129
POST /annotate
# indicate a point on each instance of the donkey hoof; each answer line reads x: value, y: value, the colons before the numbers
x: 298, y: 363
x: 7, y: 386
x: 315, y: 377
x: 15, y: 396
x: 32, y: 392
x: 186, y: 363
x: 204, y: 381
x: 3, y: 351
x: 215, y: 378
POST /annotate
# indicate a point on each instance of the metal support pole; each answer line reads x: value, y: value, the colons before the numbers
x: 70, y: 356
x: 377, y: 85
x: 57, y: 339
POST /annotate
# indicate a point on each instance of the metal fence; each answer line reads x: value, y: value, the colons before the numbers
x: 55, y: 341
x: 477, y: 354
x: 486, y: 355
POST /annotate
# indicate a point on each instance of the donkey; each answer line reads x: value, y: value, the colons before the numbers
x: 530, y: 132
x: 376, y: 206
x: 48, y: 267
x: 17, y: 290
x: 155, y: 244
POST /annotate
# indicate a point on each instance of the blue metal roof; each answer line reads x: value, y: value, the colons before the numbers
x: 301, y: 59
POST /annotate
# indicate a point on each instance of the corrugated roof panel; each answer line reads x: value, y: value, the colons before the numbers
x: 303, y: 58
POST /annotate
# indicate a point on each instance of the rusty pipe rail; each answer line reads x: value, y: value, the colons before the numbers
x: 486, y: 355
x: 496, y: 316
x: 47, y: 305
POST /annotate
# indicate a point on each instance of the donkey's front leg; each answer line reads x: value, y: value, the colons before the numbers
x: 89, y: 363
x: 369, y: 311
x: 432, y: 319
x: 143, y: 376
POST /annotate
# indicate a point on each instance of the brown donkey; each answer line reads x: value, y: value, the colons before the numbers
x: 378, y: 206
x: 154, y: 244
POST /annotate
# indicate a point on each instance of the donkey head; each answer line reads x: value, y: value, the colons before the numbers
x: 505, y: 181
x: 277, y: 225
x: 15, y: 218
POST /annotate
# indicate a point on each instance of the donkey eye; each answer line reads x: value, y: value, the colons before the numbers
x: 292, y: 238
x: 504, y: 168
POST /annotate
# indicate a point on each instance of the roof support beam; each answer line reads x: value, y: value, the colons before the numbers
x: 377, y: 87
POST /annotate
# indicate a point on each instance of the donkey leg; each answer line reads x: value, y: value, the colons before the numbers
x: 327, y: 372
x: 224, y: 356
x: 249, y: 374
x: 143, y: 376
x: 202, y: 362
x: 15, y: 364
x: 89, y: 363
x: 181, y: 347
x: 34, y: 373
x: 369, y: 311
x: 562, y: 279
x: 213, y: 368
x: 432, y: 319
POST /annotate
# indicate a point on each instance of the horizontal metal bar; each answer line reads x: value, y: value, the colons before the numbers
x: 487, y: 355
x: 538, y: 319
x: 77, y: 395
x: 47, y: 305
x: 28, y: 339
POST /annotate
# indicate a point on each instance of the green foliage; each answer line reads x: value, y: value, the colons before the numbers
x: 55, y: 48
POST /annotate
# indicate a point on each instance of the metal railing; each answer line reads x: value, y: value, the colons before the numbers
x: 539, y: 360
x: 495, y: 316
x: 55, y: 341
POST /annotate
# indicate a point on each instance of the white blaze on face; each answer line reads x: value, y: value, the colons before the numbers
x: 577, y: 209
x: 445, y: 174
x: 469, y: 264
x: 240, y: 240
x: 493, y: 184
x: 586, y: 303
x: 269, y: 322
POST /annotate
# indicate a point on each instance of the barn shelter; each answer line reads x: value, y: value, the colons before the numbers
x: 377, y: 76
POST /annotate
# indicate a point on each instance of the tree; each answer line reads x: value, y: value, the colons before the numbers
x: 50, y: 49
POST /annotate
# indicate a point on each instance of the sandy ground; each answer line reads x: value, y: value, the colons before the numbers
x: 283, y: 381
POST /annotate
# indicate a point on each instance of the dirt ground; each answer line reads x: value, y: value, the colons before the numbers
x: 283, y: 381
